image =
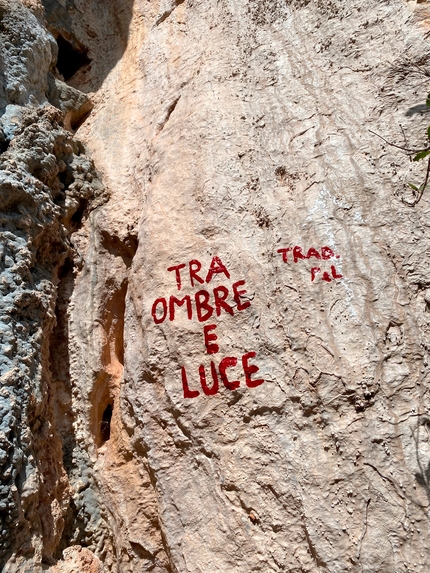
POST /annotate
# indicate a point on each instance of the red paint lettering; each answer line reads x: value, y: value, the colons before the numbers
x: 209, y: 391
x: 195, y: 266
x: 177, y: 270
x: 202, y: 298
x: 285, y: 253
x: 313, y: 253
x: 334, y: 273
x: 173, y: 300
x: 225, y: 363
x: 220, y: 295
x: 154, y: 310
x: 216, y: 267
x: 210, y: 347
x: 298, y: 254
x: 326, y: 278
x: 314, y: 272
x: 250, y: 369
x: 237, y: 294
x: 327, y: 253
x: 187, y: 392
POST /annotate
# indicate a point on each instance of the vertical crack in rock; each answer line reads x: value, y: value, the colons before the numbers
x: 105, y: 423
x: 125, y: 493
x: 167, y: 561
x: 144, y: 551
x: 106, y: 391
x: 62, y: 391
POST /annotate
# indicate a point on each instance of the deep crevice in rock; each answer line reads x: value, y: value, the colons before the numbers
x: 106, y: 388
x: 60, y: 365
x: 70, y: 59
x: 105, y: 423
x: 77, y: 216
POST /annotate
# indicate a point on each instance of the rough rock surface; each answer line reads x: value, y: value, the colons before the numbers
x: 47, y: 185
x: 277, y: 420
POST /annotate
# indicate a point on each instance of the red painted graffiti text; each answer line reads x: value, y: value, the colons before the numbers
x: 203, y: 305
x: 296, y: 254
x: 228, y: 362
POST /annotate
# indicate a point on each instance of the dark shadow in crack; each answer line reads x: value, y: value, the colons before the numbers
x: 91, y: 36
x: 59, y: 364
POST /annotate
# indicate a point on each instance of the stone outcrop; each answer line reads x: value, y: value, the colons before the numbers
x: 215, y: 286
x: 48, y: 185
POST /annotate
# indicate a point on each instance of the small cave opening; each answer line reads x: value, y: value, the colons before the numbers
x: 70, y: 59
x: 105, y: 423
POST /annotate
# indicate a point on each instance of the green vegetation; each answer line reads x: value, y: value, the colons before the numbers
x: 416, y: 155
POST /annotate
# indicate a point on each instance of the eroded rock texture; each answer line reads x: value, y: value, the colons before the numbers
x: 47, y: 186
x: 215, y: 295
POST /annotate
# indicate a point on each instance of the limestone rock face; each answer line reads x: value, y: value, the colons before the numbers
x: 216, y: 286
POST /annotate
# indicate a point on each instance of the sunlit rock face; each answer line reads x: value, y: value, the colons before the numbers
x: 215, y: 286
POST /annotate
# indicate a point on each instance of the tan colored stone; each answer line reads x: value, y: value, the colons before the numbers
x: 78, y: 559
x: 241, y: 130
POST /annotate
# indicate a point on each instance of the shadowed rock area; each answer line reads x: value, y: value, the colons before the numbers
x: 215, y: 286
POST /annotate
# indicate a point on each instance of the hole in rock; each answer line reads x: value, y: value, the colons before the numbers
x: 78, y: 119
x: 124, y: 248
x: 66, y: 179
x: 105, y: 423
x: 79, y: 213
x: 70, y: 59
x: 4, y: 143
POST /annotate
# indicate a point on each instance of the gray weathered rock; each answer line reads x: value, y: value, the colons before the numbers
x: 47, y: 185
